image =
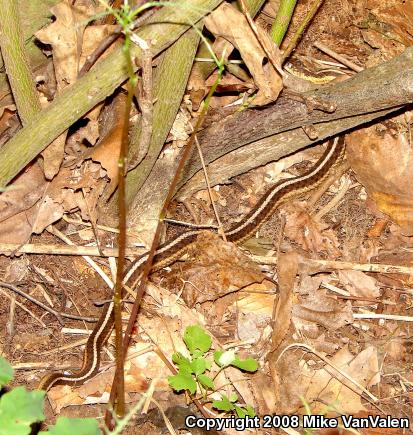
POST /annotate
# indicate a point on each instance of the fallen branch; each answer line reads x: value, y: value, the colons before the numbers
x: 164, y: 27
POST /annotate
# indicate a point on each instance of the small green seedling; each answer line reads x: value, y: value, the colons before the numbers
x: 20, y: 409
x: 195, y: 373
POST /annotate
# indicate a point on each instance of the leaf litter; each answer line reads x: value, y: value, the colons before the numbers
x: 221, y: 288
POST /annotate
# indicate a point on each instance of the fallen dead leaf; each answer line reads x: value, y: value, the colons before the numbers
x: 287, y: 271
x: 107, y: 149
x: 65, y: 36
x: 232, y: 25
x: 359, y: 284
x: 216, y: 268
x: 382, y: 162
x: 326, y: 389
x: 254, y: 311
x: 324, y: 311
x: 308, y: 231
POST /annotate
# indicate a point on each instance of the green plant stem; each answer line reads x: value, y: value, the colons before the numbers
x: 125, y: 18
x: 169, y: 85
x: 166, y: 26
x: 148, y: 264
x: 15, y: 60
x: 282, y: 20
x: 122, y: 213
x: 299, y: 33
x: 170, y: 79
x: 33, y: 16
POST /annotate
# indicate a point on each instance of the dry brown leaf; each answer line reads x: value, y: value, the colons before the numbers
x: 16, y: 270
x: 254, y: 311
x: 383, y: 164
x: 106, y: 152
x: 63, y: 195
x: 19, y: 205
x: 324, y: 311
x: 309, y: 232
x: 215, y: 269
x: 230, y: 24
x: 389, y: 27
x: 61, y: 396
x: 287, y: 271
x: 324, y: 387
x: 63, y: 35
x: 72, y: 42
x: 359, y: 284
x: 25, y: 191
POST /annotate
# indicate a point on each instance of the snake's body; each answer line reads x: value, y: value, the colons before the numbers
x: 171, y: 251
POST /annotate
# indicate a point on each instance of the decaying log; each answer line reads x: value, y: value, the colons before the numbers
x: 257, y: 136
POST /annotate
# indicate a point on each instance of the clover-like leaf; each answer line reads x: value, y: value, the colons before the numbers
x: 183, y: 363
x: 195, y: 338
x: 206, y: 381
x: 249, y: 364
x: 182, y: 381
x: 223, y: 405
x: 199, y: 365
x: 70, y: 426
x: 224, y: 358
x: 6, y: 372
x: 241, y: 412
x: 19, y: 409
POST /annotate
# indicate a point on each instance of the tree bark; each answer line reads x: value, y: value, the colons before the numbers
x: 387, y: 86
x: 257, y: 136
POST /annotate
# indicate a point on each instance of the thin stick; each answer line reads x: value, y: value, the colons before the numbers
x: 95, y: 266
x: 341, y: 265
x: 23, y: 308
x: 12, y: 311
x: 91, y: 251
x: 57, y: 314
x: 383, y: 316
x: 335, y: 200
x: 337, y: 56
x: 122, y: 213
x: 299, y: 33
x: 328, y: 362
x: 208, y: 184
x: 255, y: 31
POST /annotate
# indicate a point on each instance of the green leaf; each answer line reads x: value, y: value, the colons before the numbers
x: 249, y: 364
x: 196, y: 338
x: 182, y: 381
x: 250, y: 411
x: 223, y: 405
x: 241, y: 412
x: 233, y: 397
x: 199, y: 365
x: 224, y: 358
x: 206, y: 381
x: 183, y: 363
x: 20, y: 408
x: 6, y: 372
x: 70, y: 426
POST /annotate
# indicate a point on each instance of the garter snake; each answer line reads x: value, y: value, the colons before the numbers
x: 171, y: 251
